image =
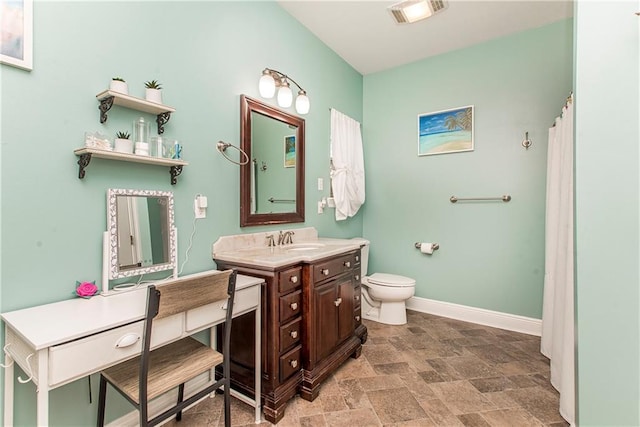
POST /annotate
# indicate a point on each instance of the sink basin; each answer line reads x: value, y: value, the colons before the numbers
x: 304, y: 246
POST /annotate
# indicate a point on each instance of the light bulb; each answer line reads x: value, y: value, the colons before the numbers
x: 267, y: 86
x: 302, y: 102
x: 285, y: 97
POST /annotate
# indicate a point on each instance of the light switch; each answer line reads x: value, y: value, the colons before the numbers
x: 320, y: 184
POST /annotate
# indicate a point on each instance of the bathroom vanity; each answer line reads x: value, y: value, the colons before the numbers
x: 311, y: 321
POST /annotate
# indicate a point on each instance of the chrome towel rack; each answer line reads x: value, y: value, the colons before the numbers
x: 506, y: 198
x: 272, y: 200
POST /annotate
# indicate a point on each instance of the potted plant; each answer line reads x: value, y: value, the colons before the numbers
x: 152, y: 92
x: 123, y: 144
x: 119, y: 85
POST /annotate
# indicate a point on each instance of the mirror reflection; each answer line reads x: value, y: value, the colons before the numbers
x: 273, y: 147
x: 272, y: 183
x: 143, y: 238
x: 141, y: 232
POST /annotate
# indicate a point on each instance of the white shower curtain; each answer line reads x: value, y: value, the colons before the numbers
x: 347, y: 174
x: 558, y: 303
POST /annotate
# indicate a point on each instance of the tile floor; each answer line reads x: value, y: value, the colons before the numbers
x: 433, y: 371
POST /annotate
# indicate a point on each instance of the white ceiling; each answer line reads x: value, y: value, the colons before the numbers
x: 365, y: 35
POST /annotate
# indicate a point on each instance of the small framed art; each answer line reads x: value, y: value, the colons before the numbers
x: 447, y: 131
x: 16, y: 33
x: 290, y: 151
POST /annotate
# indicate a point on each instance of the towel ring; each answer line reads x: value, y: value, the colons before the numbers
x: 222, y: 146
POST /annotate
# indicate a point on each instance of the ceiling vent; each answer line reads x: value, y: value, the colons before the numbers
x: 409, y: 11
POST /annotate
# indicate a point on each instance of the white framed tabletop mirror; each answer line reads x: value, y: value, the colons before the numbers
x: 141, y: 235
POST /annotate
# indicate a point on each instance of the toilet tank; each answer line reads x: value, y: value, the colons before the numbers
x: 364, y: 254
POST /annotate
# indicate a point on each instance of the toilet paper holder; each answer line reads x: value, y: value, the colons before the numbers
x: 434, y: 246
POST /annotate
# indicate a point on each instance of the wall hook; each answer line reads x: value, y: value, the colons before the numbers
x: 526, y: 143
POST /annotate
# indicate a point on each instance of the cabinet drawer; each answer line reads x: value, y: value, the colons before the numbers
x: 290, y: 279
x: 290, y: 305
x: 76, y: 358
x: 356, y: 257
x: 243, y: 300
x: 290, y: 363
x: 290, y: 334
x: 357, y: 295
x: 333, y: 267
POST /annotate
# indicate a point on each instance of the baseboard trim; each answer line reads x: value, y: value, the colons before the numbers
x: 496, y: 319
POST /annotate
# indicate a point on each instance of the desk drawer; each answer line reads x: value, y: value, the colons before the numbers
x: 244, y: 299
x: 78, y: 358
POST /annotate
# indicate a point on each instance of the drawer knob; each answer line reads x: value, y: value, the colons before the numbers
x: 357, y: 318
x: 325, y: 271
x: 294, y: 363
x: 357, y: 277
x: 347, y: 264
x: 127, y: 340
x: 357, y: 297
x: 294, y: 306
x: 294, y: 334
x: 294, y: 279
x: 338, y: 302
x: 357, y: 258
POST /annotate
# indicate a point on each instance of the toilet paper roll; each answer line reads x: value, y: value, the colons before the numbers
x: 426, y: 248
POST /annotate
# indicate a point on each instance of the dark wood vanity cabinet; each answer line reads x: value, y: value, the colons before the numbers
x: 310, y: 325
x: 332, y: 325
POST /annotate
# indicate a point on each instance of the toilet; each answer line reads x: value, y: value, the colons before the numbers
x: 384, y: 295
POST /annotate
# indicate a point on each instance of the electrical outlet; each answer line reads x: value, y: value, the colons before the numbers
x: 320, y: 208
x: 200, y: 206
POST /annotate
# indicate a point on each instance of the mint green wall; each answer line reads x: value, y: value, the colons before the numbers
x: 491, y: 254
x: 206, y: 54
x: 607, y: 216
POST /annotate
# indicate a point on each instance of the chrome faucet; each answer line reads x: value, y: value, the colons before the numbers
x: 281, y: 238
x: 270, y: 241
x: 288, y: 237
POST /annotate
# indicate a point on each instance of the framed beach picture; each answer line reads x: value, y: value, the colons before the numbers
x: 447, y: 131
x: 16, y: 33
x: 290, y: 151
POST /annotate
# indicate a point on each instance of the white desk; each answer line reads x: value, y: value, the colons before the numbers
x: 61, y: 342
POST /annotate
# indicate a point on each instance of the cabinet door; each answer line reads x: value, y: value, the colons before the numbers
x: 345, y: 308
x: 326, y: 324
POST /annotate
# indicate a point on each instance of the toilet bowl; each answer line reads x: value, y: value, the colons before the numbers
x: 384, y: 295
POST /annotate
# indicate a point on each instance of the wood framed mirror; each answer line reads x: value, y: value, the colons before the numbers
x: 272, y: 182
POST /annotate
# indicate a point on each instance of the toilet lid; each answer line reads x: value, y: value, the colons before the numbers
x: 393, y: 280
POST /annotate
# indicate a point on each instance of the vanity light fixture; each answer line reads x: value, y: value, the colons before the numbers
x: 272, y: 79
x: 410, y: 11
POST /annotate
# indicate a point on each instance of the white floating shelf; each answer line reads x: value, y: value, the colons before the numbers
x: 86, y: 154
x: 135, y: 103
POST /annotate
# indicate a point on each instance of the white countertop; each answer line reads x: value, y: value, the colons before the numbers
x: 304, y: 251
x: 50, y: 324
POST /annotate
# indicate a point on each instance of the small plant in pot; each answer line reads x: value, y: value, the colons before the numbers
x: 119, y: 85
x: 123, y: 144
x: 152, y: 92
